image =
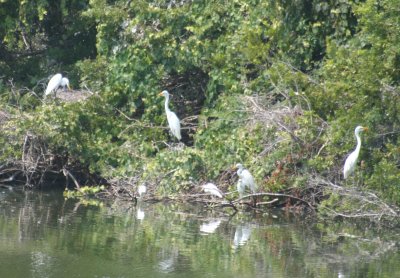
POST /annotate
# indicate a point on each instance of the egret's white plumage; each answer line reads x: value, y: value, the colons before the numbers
x: 212, y: 189
x: 173, y: 120
x: 240, y: 188
x: 65, y: 83
x: 351, y: 160
x: 56, y: 81
x: 142, y: 190
x: 246, y: 179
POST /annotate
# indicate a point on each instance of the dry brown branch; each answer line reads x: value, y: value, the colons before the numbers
x: 364, y: 204
x: 32, y: 156
x: 14, y: 172
x: 38, y: 163
x: 68, y: 174
x: 275, y: 195
x: 268, y: 203
x: 284, y: 119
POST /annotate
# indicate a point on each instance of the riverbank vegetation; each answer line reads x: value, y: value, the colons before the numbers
x: 275, y: 85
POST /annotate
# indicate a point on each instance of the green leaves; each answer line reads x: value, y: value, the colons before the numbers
x: 331, y: 65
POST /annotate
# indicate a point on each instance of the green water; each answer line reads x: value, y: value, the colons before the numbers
x: 43, y: 235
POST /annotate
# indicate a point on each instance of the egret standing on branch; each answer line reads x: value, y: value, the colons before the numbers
x: 351, y: 160
x: 56, y: 81
x: 246, y: 180
x: 173, y: 120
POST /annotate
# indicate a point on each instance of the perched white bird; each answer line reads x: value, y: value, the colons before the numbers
x: 351, y: 160
x: 212, y: 189
x: 56, y: 81
x: 173, y: 120
x: 246, y: 179
x: 142, y: 190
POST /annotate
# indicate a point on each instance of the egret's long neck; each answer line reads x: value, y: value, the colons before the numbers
x: 166, y: 102
x: 358, y: 143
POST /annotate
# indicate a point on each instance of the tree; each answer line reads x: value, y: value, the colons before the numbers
x: 40, y: 37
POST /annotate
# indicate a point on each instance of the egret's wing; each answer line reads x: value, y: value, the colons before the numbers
x: 54, y: 82
x: 350, y: 164
x: 212, y: 189
x: 248, y: 180
x: 174, y: 124
x: 240, y: 187
x: 216, y: 192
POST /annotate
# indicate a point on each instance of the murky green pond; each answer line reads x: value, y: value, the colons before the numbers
x: 43, y: 235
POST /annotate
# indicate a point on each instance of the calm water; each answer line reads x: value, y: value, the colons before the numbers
x: 43, y: 235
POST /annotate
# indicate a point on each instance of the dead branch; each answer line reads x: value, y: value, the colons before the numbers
x: 275, y: 195
x: 68, y: 174
x: 365, y: 204
x: 268, y: 203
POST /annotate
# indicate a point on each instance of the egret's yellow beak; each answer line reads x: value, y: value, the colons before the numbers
x: 69, y: 87
x: 160, y: 94
x: 365, y: 129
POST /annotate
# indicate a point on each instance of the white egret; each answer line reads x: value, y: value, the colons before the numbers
x: 246, y: 179
x: 173, y: 120
x: 142, y: 190
x: 351, y: 160
x: 212, y: 189
x: 56, y: 81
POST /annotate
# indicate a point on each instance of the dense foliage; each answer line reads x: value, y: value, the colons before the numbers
x: 276, y: 85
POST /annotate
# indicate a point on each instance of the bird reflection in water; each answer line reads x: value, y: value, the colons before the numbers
x: 168, y: 261
x: 210, y: 227
x: 242, y: 235
x: 139, y: 214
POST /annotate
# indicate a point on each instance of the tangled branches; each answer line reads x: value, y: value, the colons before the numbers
x: 36, y: 160
x: 354, y: 203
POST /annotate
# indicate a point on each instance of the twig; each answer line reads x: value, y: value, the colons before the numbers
x: 269, y: 202
x: 68, y: 173
x: 275, y: 195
